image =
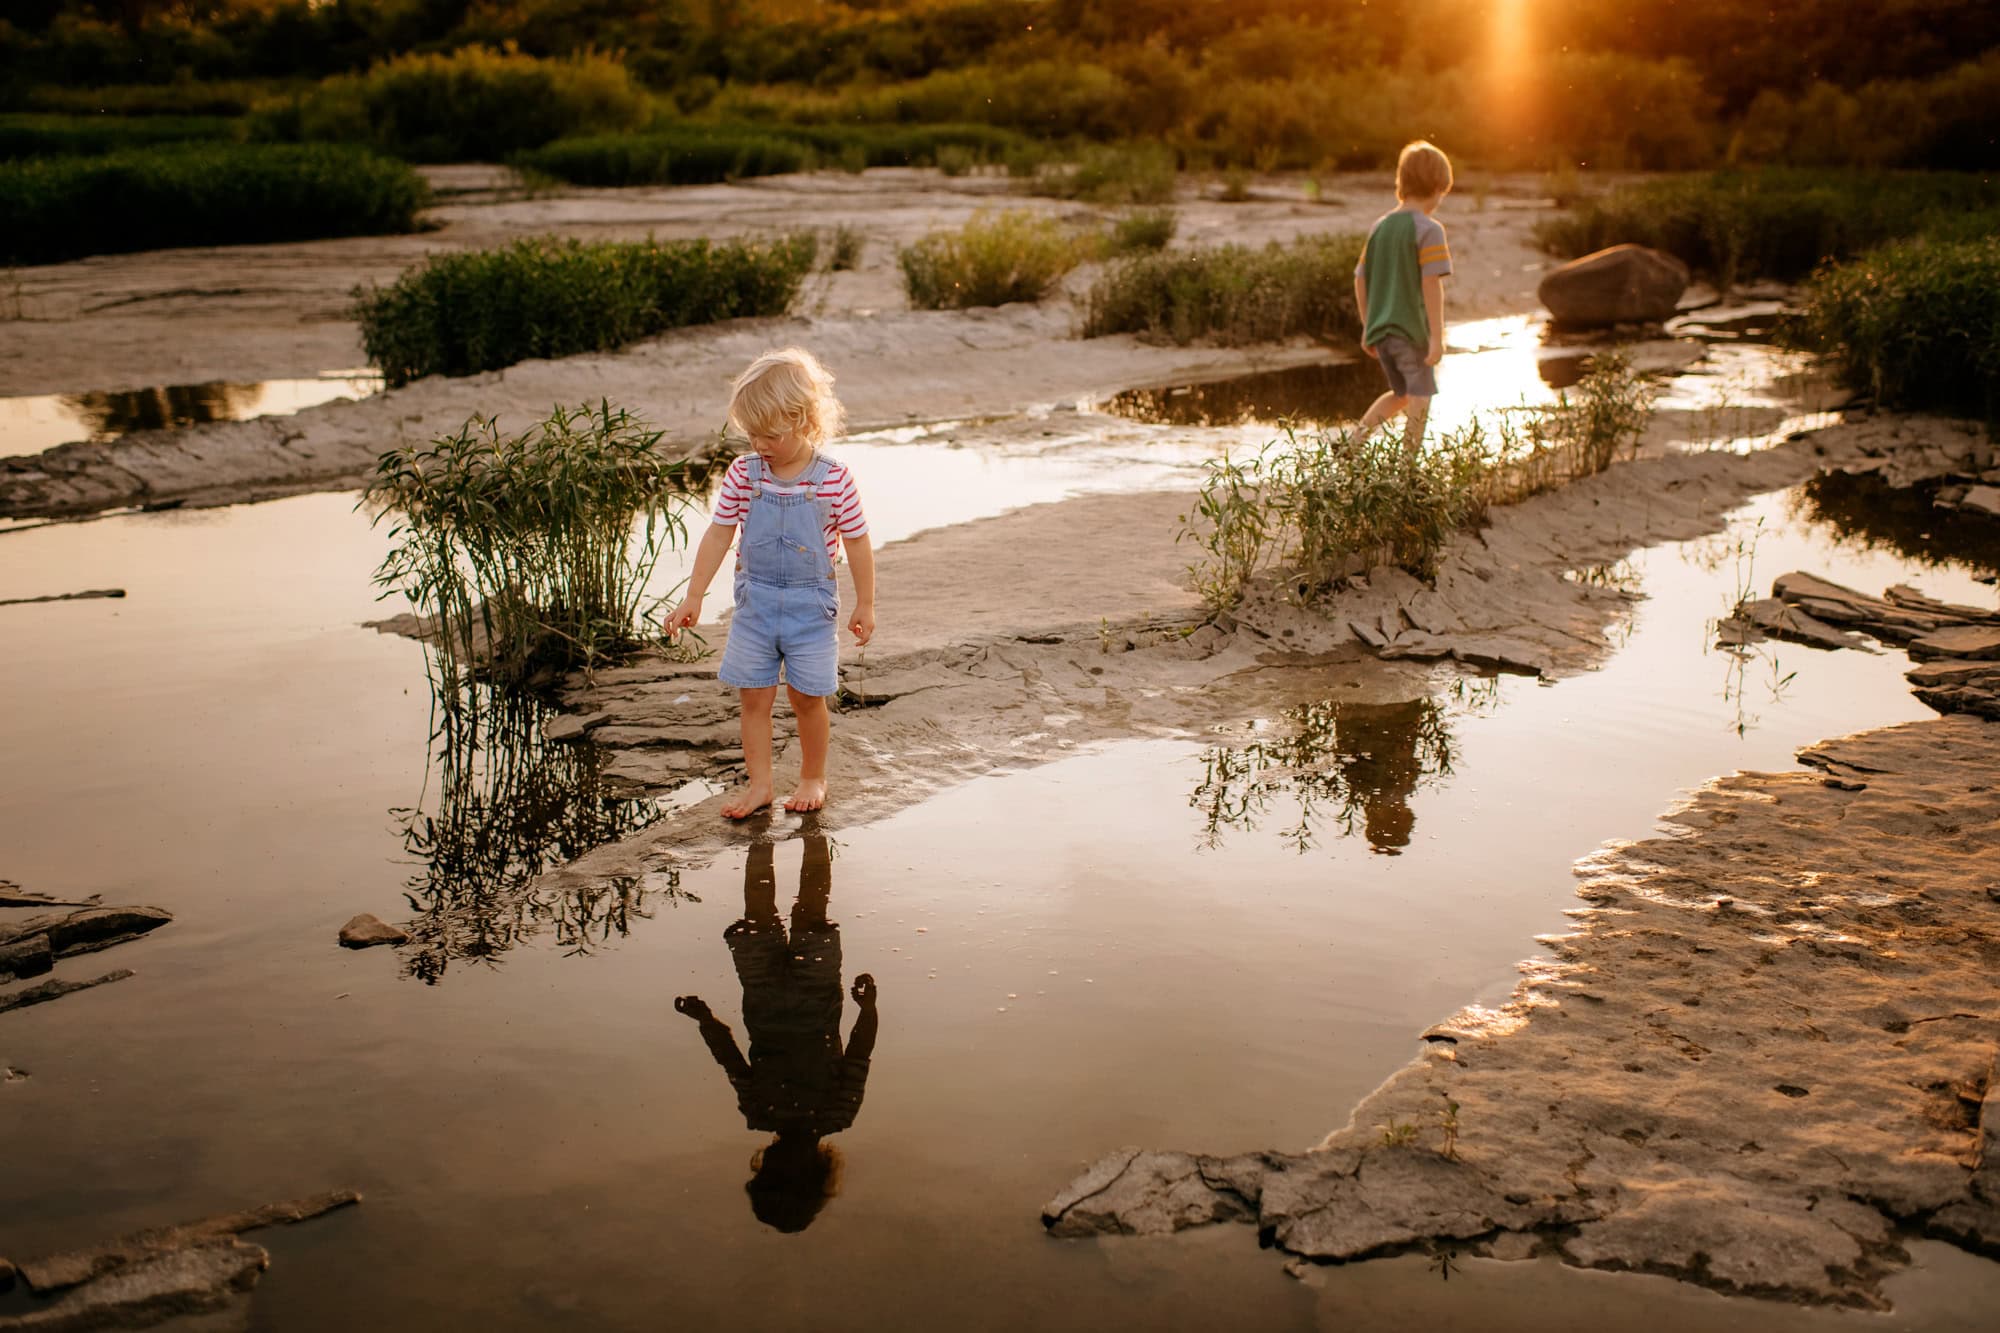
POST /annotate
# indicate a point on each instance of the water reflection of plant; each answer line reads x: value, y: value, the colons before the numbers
x: 1866, y: 512
x: 1349, y: 766
x: 501, y: 806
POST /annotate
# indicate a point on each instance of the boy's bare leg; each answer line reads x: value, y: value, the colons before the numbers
x: 1415, y: 416
x: 815, y: 882
x: 755, y: 706
x: 760, y: 884
x: 1388, y: 405
x: 814, y: 726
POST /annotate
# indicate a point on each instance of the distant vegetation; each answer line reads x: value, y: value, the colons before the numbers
x: 36, y: 134
x: 992, y: 260
x: 1917, y: 323
x: 154, y: 198
x: 1742, y: 225
x: 1232, y: 294
x: 459, y: 314
x: 1253, y: 83
x: 693, y: 156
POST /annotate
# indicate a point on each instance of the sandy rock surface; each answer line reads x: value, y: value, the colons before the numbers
x: 1765, y: 1055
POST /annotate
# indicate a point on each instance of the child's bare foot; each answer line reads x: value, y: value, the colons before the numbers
x: 810, y: 794
x: 749, y: 801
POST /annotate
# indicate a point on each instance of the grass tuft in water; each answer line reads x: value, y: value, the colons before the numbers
x: 1324, y: 505
x: 994, y: 259
x: 458, y: 314
x: 528, y: 554
x: 1232, y: 294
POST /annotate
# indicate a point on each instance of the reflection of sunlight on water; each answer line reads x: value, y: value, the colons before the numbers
x: 31, y: 424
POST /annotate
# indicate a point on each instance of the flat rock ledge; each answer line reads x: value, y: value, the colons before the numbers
x: 1762, y: 1061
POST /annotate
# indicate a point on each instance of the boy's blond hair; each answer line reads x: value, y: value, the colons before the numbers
x: 1422, y: 171
x: 786, y: 391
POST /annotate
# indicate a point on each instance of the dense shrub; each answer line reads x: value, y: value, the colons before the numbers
x: 1917, y: 322
x: 1232, y: 294
x: 688, y: 156
x: 1123, y: 174
x: 1945, y: 121
x: 473, y: 104
x: 235, y: 97
x: 476, y: 310
x: 1142, y: 232
x: 993, y: 259
x: 1738, y: 225
x: 905, y: 145
x: 31, y: 135
x: 144, y: 199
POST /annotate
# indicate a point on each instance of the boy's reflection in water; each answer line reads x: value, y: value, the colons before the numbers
x: 798, y: 1083
x: 1378, y: 753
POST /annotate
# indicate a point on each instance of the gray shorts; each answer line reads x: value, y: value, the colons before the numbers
x: 1403, y: 366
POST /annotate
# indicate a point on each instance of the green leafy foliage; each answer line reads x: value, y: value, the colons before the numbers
x: 1916, y: 322
x: 529, y: 554
x: 1740, y: 225
x: 472, y: 104
x: 144, y: 199
x: 458, y: 314
x: 30, y: 134
x: 1232, y: 294
x: 995, y: 258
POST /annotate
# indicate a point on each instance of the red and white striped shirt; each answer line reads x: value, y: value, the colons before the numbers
x: 844, y: 517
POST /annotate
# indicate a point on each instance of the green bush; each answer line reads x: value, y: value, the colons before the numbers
x: 1739, y: 225
x: 1130, y: 174
x: 687, y: 156
x: 1232, y: 294
x: 473, y: 104
x: 1916, y: 322
x: 231, y: 98
x: 904, y: 145
x: 145, y: 199
x: 993, y: 259
x: 458, y: 314
x: 1142, y: 232
x: 42, y: 135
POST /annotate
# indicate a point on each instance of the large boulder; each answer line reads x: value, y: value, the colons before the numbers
x: 1626, y: 284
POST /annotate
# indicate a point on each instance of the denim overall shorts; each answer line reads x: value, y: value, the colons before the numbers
x: 787, y: 598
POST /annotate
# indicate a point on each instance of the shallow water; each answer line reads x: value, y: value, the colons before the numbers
x: 31, y: 424
x: 1221, y: 941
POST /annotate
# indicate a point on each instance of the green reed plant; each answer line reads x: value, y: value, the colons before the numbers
x: 1916, y: 323
x: 1232, y: 294
x: 995, y: 258
x: 1739, y: 225
x: 1579, y: 435
x: 527, y: 554
x: 210, y: 194
x: 844, y: 246
x: 458, y: 314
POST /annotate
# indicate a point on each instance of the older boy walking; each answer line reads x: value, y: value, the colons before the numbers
x: 1399, y: 292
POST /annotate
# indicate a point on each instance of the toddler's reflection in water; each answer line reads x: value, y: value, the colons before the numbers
x: 799, y: 1084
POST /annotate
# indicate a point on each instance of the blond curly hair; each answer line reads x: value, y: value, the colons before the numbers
x: 786, y: 391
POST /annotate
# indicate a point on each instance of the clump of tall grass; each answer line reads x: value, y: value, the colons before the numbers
x: 45, y: 135
x: 993, y: 259
x: 686, y: 155
x: 472, y: 104
x: 458, y: 314
x: 1736, y: 226
x: 844, y: 246
x: 1323, y: 505
x: 1115, y: 174
x: 211, y: 194
x: 1142, y: 231
x: 528, y: 554
x: 1917, y: 323
x: 1232, y: 294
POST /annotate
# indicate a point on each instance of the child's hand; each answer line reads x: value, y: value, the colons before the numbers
x: 863, y: 991
x: 1436, y: 353
x: 693, y: 1006
x: 863, y: 624
x: 685, y: 616
x: 1371, y: 351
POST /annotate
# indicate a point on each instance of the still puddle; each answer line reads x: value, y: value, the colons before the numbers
x: 28, y: 425
x: 1199, y: 942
